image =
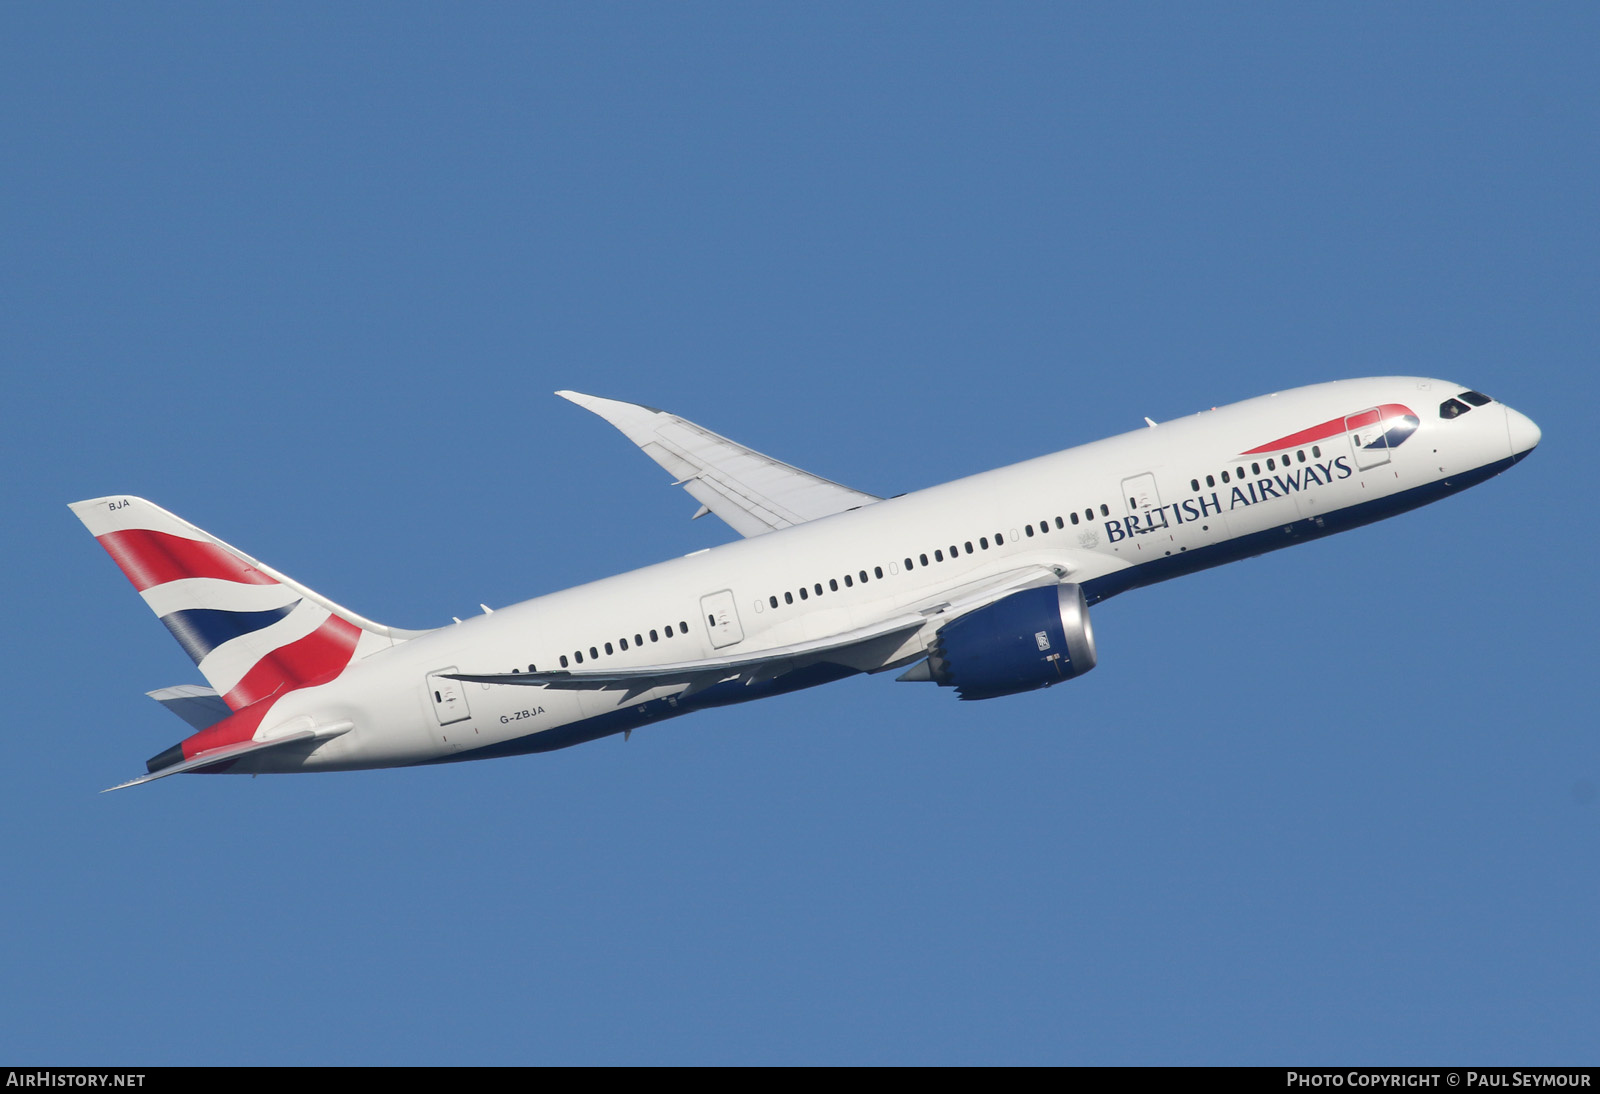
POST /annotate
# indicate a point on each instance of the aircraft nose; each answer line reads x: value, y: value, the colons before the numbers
x: 1524, y: 434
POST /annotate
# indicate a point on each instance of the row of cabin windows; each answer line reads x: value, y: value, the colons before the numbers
x: 1255, y: 468
x: 638, y: 640
x: 911, y: 563
x: 833, y: 585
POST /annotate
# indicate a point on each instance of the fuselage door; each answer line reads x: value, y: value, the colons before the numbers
x: 449, y: 697
x: 722, y: 618
x: 1368, y: 441
x: 1139, y: 492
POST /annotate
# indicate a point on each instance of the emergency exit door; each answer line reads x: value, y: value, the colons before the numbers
x: 721, y: 618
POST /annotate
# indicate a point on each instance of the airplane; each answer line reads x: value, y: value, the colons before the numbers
x: 982, y: 585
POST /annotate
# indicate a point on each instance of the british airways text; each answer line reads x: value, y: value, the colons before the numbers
x: 1248, y: 493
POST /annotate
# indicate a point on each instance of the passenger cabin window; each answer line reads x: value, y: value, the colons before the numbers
x: 770, y: 600
x: 833, y: 583
x: 563, y: 660
x: 1211, y: 480
x: 1074, y: 516
x: 1059, y: 524
x: 1105, y: 510
x: 653, y: 633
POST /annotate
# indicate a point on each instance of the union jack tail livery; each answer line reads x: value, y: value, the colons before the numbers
x: 253, y: 632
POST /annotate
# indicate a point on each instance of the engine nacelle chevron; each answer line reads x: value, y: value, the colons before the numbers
x: 1029, y: 640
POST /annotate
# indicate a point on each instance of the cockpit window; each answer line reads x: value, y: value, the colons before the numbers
x: 1452, y: 408
x: 1476, y: 398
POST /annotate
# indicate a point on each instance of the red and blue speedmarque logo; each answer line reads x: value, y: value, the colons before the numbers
x: 1385, y: 426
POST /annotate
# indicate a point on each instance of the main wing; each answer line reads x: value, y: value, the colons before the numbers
x: 753, y: 493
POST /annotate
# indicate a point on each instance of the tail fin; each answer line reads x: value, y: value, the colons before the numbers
x: 252, y: 631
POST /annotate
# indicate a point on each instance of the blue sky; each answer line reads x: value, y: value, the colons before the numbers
x: 307, y: 275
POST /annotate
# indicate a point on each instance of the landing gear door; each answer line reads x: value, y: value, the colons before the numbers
x: 449, y: 697
x: 1368, y: 441
x: 722, y: 618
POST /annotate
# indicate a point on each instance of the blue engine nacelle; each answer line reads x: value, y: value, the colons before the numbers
x: 1029, y: 640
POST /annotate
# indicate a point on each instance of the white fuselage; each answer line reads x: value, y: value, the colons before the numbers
x: 1118, y: 513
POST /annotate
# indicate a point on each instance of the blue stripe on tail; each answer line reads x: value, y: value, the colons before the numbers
x: 201, y: 630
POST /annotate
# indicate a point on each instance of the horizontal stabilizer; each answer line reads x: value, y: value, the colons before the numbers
x: 201, y: 707
x: 752, y: 492
x: 231, y: 752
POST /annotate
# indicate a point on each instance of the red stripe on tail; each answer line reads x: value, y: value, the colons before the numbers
x: 314, y: 659
x: 232, y: 729
x: 154, y: 558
